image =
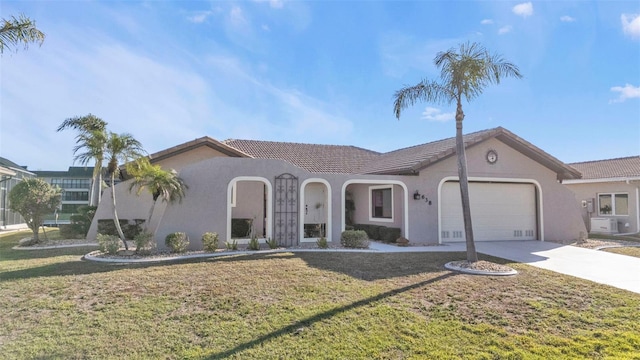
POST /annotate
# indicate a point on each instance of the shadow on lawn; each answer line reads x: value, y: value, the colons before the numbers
x: 291, y: 329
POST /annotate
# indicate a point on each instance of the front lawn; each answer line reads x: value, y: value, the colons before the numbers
x: 627, y: 250
x: 324, y: 305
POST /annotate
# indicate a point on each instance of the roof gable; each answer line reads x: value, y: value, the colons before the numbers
x: 315, y: 158
x: 627, y: 167
x: 413, y: 159
x: 190, y: 145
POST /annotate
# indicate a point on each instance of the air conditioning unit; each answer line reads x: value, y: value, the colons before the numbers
x: 604, y: 225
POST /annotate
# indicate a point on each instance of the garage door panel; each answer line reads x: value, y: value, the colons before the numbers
x: 500, y: 211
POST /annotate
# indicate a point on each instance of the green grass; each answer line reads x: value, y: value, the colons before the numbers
x: 632, y: 237
x: 303, y: 306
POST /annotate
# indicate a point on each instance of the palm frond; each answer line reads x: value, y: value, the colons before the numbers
x: 19, y: 30
x: 426, y: 90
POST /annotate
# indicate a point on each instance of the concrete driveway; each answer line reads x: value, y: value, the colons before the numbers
x: 616, y: 270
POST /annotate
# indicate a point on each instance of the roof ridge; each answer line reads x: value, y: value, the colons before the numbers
x: 603, y: 160
x: 227, y: 141
x: 447, y: 139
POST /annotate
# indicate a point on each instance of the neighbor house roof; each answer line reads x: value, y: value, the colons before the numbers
x: 610, y: 169
x: 12, y: 167
x: 316, y: 158
x: 415, y: 158
x: 190, y: 145
x: 73, y: 172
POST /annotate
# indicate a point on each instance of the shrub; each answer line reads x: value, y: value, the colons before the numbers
x: 240, y: 228
x: 210, y: 241
x: 272, y: 243
x: 389, y: 234
x: 254, y: 244
x: 109, y: 244
x: 107, y: 227
x: 67, y: 231
x: 130, y: 230
x: 231, y: 244
x: 349, y: 227
x: 144, y: 242
x: 357, y: 239
x: 81, y: 221
x: 322, y: 243
x: 177, y: 242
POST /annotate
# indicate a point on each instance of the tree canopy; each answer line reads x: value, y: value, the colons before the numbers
x: 33, y: 199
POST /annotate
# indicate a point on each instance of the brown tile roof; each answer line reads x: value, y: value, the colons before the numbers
x: 337, y: 159
x: 413, y: 159
x: 610, y: 168
x: 190, y: 145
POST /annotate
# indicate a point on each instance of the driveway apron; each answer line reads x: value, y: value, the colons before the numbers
x: 616, y: 270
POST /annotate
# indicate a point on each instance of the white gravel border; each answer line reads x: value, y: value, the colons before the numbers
x: 451, y: 266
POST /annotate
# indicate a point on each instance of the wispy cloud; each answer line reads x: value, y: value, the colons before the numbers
x: 486, y: 22
x: 199, y: 17
x: 625, y: 92
x: 505, y: 29
x: 631, y: 25
x: 524, y: 9
x: 238, y: 19
x: 435, y: 114
x: 567, y: 18
x: 275, y: 4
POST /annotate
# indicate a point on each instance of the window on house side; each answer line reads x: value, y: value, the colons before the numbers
x: 613, y: 204
x: 381, y: 202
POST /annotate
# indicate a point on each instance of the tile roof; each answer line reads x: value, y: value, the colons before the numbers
x: 190, y: 145
x: 610, y: 168
x: 337, y: 159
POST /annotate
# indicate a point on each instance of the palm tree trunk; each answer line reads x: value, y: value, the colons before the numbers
x: 116, y: 221
x: 99, y: 185
x: 472, y: 255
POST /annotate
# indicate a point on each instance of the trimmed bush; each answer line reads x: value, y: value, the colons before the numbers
x: 109, y: 244
x: 131, y: 229
x: 389, y: 234
x: 67, y: 231
x: 210, y: 241
x: 240, y: 228
x: 373, y: 231
x: 81, y: 221
x: 356, y: 239
x: 349, y: 227
x: 322, y: 243
x: 144, y: 242
x: 177, y: 242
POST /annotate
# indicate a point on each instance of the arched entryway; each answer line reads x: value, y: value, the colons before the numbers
x: 249, y: 209
x: 315, y: 210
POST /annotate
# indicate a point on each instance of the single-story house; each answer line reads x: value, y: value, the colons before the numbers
x: 609, y: 194
x: 295, y: 193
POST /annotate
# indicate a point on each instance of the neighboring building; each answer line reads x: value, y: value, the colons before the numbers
x: 295, y: 193
x: 76, y: 186
x: 609, y: 194
x: 10, y: 175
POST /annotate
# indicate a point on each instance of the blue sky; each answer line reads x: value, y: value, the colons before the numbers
x: 319, y: 72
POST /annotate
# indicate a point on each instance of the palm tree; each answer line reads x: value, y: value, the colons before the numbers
x: 91, y: 141
x: 464, y: 73
x: 159, y: 182
x: 19, y: 30
x: 120, y: 149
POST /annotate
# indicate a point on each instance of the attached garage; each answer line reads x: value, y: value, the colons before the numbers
x: 499, y: 211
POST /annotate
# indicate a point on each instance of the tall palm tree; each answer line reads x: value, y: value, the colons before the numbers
x: 464, y: 73
x: 90, y: 141
x: 120, y: 149
x: 159, y: 182
x: 19, y: 30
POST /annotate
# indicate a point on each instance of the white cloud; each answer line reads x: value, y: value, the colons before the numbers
x: 626, y: 92
x: 524, y: 9
x: 237, y: 18
x: 505, y: 29
x: 486, y: 22
x: 435, y: 114
x: 567, y: 18
x: 200, y: 16
x: 275, y: 4
x: 631, y: 25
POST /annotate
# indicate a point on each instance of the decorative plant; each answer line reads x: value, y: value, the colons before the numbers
x: 357, y: 239
x: 144, y: 242
x: 322, y: 243
x: 109, y: 244
x: 254, y: 244
x: 177, y: 242
x: 210, y: 241
x: 272, y: 243
x: 231, y: 244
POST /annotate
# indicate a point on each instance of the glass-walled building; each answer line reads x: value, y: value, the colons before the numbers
x: 10, y: 175
x: 76, y: 186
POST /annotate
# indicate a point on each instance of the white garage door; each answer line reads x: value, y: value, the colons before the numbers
x: 499, y: 211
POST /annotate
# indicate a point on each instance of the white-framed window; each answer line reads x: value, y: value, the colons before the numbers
x: 233, y: 194
x: 613, y: 204
x: 381, y: 203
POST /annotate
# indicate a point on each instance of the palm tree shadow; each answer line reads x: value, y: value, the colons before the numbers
x: 323, y: 316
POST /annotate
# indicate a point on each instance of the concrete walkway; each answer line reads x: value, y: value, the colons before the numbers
x: 616, y: 270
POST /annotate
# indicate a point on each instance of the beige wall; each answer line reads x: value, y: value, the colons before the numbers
x: 361, y: 197
x: 205, y: 207
x: 587, y: 191
x: 192, y: 156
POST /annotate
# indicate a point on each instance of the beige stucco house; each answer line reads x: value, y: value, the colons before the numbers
x: 608, y: 194
x: 296, y: 193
